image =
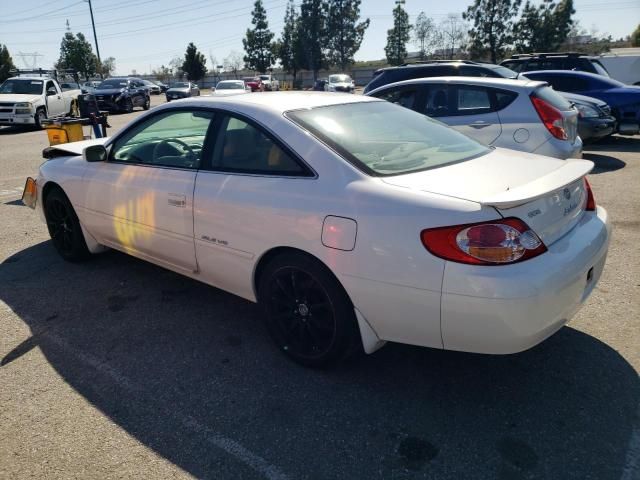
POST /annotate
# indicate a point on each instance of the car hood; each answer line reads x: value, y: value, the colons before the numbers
x: 224, y: 93
x: 178, y: 90
x: 108, y: 91
x: 17, y: 97
x: 341, y: 84
x: 501, y: 178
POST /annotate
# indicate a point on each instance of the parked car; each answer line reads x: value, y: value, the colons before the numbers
x: 230, y: 87
x: 518, y: 114
x: 353, y: 221
x: 151, y: 87
x: 90, y: 86
x: 182, y: 90
x: 320, y: 84
x: 254, y: 83
x: 163, y: 87
x: 594, y: 117
x: 270, y: 83
x: 29, y: 100
x: 555, y: 61
x: 437, y: 68
x: 122, y: 94
x: 340, y: 83
x: 624, y: 100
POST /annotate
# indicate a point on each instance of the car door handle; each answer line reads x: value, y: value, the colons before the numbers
x: 479, y: 124
x: 177, y: 200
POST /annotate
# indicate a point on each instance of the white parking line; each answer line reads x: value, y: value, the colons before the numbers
x: 242, y: 454
x: 631, y: 470
x: 11, y: 192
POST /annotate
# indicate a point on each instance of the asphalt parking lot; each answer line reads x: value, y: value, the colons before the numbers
x: 116, y: 368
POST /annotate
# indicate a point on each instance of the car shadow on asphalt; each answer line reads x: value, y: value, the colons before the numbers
x: 16, y: 130
x: 616, y: 143
x: 188, y: 370
x: 603, y: 163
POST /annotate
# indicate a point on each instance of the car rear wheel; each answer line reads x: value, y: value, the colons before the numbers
x: 64, y: 227
x: 308, y: 314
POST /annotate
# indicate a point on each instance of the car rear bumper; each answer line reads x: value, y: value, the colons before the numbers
x: 508, y: 309
x: 562, y: 149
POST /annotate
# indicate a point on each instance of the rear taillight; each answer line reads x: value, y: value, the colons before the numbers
x: 591, y: 201
x: 551, y: 117
x: 492, y: 243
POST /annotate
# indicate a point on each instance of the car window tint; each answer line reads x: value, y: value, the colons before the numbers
x: 243, y: 148
x: 171, y: 139
x: 50, y: 85
x: 405, y: 97
x: 476, y: 72
x: 504, y: 98
x: 472, y: 100
x: 513, y: 65
x: 437, y: 101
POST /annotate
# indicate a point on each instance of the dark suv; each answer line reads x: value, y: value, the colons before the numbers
x: 122, y: 94
x: 528, y: 62
x: 437, y: 68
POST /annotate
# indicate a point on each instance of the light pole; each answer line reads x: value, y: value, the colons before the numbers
x: 95, y: 37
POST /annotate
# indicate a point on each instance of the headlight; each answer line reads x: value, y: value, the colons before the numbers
x: 24, y: 107
x: 587, y: 111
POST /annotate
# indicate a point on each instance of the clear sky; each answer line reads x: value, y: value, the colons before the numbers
x: 144, y: 34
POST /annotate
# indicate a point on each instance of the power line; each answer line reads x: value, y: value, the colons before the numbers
x: 41, y: 14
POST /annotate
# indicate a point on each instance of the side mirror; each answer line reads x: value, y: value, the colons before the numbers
x: 95, y: 153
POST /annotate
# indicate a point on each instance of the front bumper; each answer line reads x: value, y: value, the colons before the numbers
x: 176, y: 96
x: 111, y: 104
x: 14, y: 119
x: 594, y: 128
x: 511, y: 308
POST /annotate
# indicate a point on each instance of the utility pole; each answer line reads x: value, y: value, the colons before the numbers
x: 95, y: 37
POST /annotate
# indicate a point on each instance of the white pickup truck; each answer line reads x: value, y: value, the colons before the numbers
x: 271, y: 84
x: 30, y: 100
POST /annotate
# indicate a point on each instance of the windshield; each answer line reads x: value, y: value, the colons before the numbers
x: 382, y: 138
x: 264, y: 77
x: 339, y: 79
x: 505, y: 72
x: 113, y: 83
x: 230, y: 86
x: 25, y: 87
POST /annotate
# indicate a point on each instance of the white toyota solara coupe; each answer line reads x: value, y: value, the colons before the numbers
x: 352, y: 220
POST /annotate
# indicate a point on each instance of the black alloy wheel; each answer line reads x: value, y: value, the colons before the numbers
x: 64, y: 227
x: 147, y: 103
x: 308, y: 313
x: 128, y: 105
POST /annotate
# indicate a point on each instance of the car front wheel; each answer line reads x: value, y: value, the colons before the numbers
x: 64, y: 227
x: 308, y: 314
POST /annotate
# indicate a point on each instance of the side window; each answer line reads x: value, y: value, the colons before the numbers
x: 243, y: 148
x: 437, y: 101
x: 50, y: 86
x: 172, y: 139
x: 504, y: 98
x: 472, y: 100
x: 476, y: 72
x: 405, y: 97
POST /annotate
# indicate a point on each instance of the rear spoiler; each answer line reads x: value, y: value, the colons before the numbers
x: 568, y: 173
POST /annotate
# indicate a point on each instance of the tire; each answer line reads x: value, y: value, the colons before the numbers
x: 40, y: 115
x: 64, y: 227
x: 128, y: 105
x: 147, y: 104
x: 307, y: 312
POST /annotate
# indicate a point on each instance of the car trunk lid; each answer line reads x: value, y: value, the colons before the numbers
x: 548, y: 194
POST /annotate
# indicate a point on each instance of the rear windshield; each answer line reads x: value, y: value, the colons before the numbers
x: 381, y: 138
x: 22, y: 87
x: 552, y: 97
x: 230, y: 86
x: 339, y: 78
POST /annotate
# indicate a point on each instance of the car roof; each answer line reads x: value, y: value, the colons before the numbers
x: 30, y: 78
x: 565, y: 72
x: 440, y: 63
x: 484, y: 81
x: 273, y: 102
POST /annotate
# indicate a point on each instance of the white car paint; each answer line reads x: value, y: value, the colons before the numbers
x: 223, y: 88
x: 516, y: 126
x: 216, y: 227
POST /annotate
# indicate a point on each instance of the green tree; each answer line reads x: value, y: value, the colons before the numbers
x: 345, y: 32
x: 108, y: 66
x: 194, y: 64
x: 635, y: 37
x: 424, y: 31
x: 545, y: 27
x: 257, y: 42
x: 76, y: 54
x: 288, y: 45
x: 312, y: 35
x: 6, y: 63
x: 492, y: 26
x: 398, y: 36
